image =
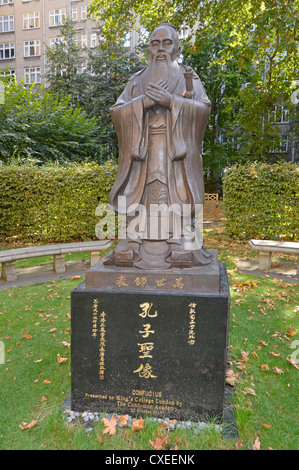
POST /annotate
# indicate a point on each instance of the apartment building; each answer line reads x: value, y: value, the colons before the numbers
x: 28, y: 26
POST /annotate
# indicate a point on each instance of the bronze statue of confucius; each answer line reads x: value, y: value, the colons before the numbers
x: 160, y: 120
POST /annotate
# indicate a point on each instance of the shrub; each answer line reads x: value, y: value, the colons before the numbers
x: 261, y: 201
x: 52, y: 203
x: 42, y: 126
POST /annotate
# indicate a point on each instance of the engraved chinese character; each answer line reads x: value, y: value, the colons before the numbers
x: 178, y: 283
x: 146, y: 331
x: 192, y: 305
x: 145, y: 349
x: 121, y: 281
x: 161, y: 282
x: 146, y: 308
x: 140, y: 281
x: 145, y: 371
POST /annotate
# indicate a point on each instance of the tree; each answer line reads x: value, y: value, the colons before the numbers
x: 223, y: 81
x: 259, y: 34
x: 108, y: 72
x: 97, y: 85
x: 65, y: 64
x: 39, y: 125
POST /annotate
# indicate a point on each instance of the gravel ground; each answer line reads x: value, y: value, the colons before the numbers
x: 88, y: 420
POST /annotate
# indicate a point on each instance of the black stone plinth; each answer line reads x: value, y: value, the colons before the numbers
x: 149, y: 353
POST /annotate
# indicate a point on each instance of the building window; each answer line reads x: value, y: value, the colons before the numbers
x: 74, y: 14
x: 56, y: 17
x: 31, y: 48
x: 54, y: 41
x: 31, y: 20
x: 7, y: 51
x: 8, y: 73
x: 32, y: 75
x: 183, y: 33
x: 6, y: 2
x: 93, y: 40
x: 127, y: 42
x: 82, y: 68
x: 6, y: 23
x: 83, y: 13
x: 84, y: 40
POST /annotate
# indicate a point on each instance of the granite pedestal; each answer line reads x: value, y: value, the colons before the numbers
x: 144, y: 351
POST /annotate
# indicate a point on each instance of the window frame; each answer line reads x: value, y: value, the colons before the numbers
x: 29, y: 72
x: 36, y: 47
x: 9, y: 20
x: 33, y: 16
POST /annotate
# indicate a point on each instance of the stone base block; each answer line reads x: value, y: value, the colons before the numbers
x: 161, y: 354
x: 196, y: 279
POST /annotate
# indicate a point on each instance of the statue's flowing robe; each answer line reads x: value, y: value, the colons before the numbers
x: 185, y: 125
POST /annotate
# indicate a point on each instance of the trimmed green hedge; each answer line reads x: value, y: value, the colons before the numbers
x: 52, y: 203
x: 262, y: 201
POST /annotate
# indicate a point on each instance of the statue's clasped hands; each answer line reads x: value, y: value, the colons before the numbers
x: 159, y: 94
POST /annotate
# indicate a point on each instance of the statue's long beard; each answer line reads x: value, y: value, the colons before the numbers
x: 162, y: 69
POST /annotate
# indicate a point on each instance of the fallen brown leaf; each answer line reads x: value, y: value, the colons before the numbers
x: 122, y: 420
x: 292, y: 362
x: 257, y: 444
x: 267, y: 426
x: 159, y: 443
x: 274, y: 354
x: 278, y: 371
x: 238, y: 444
x: 25, y: 426
x: 61, y: 359
x: 110, y: 425
x: 230, y: 377
x: 138, y: 424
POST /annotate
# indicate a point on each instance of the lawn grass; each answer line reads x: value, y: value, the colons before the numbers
x: 35, y: 330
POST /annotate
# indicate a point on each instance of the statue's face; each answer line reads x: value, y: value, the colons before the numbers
x: 163, y: 45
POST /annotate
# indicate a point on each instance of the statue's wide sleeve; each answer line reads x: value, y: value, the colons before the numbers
x: 128, y: 118
x: 188, y: 121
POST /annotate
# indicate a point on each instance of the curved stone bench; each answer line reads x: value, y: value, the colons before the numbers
x: 267, y: 247
x: 8, y: 258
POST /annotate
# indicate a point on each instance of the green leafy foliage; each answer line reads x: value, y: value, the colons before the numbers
x: 64, y: 65
x: 92, y: 79
x: 52, y: 203
x: 42, y: 126
x: 222, y: 81
x: 261, y: 201
x: 259, y: 38
x: 108, y: 71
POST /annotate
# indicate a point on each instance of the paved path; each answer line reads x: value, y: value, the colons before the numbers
x: 37, y: 274
x: 285, y: 271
